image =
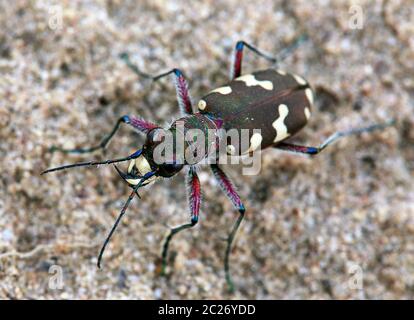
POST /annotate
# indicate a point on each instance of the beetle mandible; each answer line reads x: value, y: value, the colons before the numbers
x: 275, y: 102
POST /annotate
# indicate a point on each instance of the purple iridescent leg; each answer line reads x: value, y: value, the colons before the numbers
x: 337, y: 135
x: 138, y: 124
x: 181, y: 85
x: 194, y: 198
x: 236, y: 66
x: 229, y: 189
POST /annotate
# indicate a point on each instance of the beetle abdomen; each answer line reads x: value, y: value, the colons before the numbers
x: 272, y: 101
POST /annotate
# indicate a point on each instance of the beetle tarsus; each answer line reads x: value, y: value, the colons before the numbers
x: 229, y: 280
x: 167, y: 241
x: 331, y: 139
x: 137, y: 123
x: 181, y: 85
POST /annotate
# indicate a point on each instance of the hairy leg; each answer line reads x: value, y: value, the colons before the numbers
x: 137, y: 123
x: 331, y: 139
x: 229, y: 189
x: 236, y: 66
x: 194, y: 198
x: 181, y: 85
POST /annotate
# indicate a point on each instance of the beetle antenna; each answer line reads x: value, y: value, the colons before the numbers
x: 121, y: 214
x: 94, y: 163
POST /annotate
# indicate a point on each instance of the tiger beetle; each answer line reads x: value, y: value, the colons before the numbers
x: 274, y: 101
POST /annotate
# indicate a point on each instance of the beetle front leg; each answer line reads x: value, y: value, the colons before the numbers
x: 181, y: 85
x: 236, y: 65
x: 229, y: 189
x: 331, y: 139
x: 137, y: 123
x: 194, y: 199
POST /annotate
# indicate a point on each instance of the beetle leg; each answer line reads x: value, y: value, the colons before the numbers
x: 236, y: 66
x: 194, y: 199
x: 331, y: 139
x: 181, y: 85
x: 137, y: 123
x: 229, y: 189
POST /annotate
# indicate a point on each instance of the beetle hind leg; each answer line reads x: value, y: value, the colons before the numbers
x: 337, y: 135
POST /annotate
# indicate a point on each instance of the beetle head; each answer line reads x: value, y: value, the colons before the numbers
x: 146, y: 162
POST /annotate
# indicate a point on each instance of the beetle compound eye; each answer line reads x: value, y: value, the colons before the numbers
x: 156, y: 136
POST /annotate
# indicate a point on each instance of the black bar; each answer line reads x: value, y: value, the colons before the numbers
x: 209, y: 309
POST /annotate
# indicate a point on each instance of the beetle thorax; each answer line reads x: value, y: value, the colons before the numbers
x: 198, y: 134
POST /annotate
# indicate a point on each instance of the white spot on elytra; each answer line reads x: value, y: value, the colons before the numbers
x: 279, y: 123
x: 309, y: 95
x: 202, y: 105
x: 250, y: 81
x: 299, y: 79
x: 222, y: 90
x: 230, y: 149
x: 281, y: 72
x: 307, y: 113
x: 255, y: 142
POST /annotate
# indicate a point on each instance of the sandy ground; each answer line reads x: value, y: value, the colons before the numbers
x: 338, y: 226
